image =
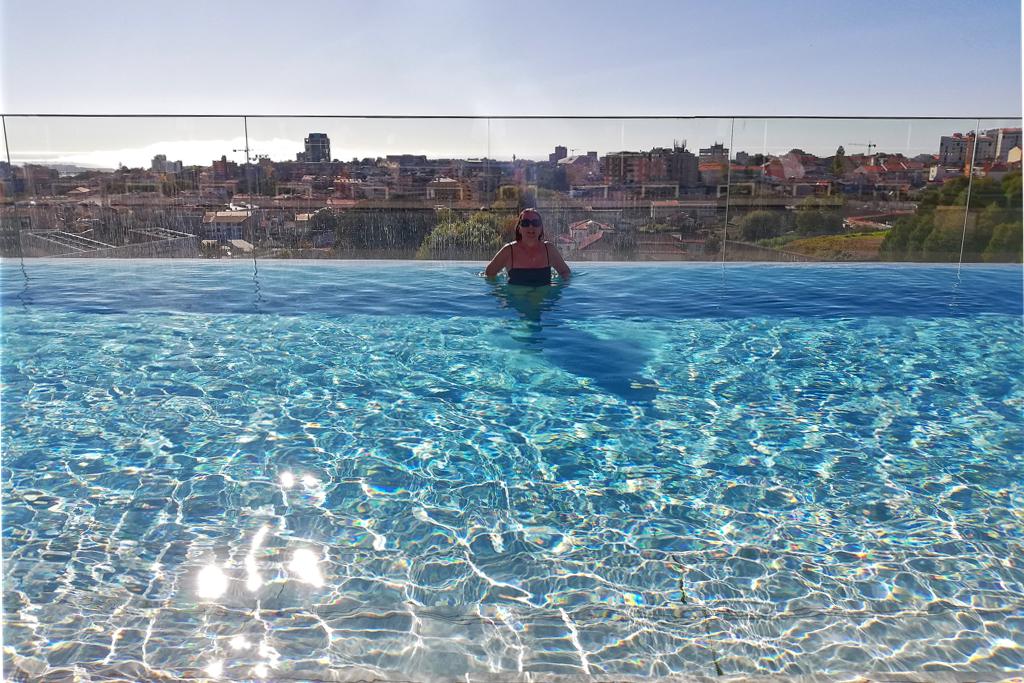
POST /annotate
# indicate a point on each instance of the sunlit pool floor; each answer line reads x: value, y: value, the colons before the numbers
x: 243, y: 495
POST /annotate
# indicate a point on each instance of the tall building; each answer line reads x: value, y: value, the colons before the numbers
x: 955, y: 149
x: 661, y: 165
x: 559, y: 154
x: 715, y: 154
x: 1006, y: 139
x: 161, y: 165
x: 224, y: 169
x: 318, y: 148
x: 990, y: 145
x: 625, y: 168
x: 680, y: 166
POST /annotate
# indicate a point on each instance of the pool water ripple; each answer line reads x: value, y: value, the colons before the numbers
x: 522, y: 486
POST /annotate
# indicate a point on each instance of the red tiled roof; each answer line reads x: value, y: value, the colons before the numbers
x: 591, y: 240
x: 581, y: 225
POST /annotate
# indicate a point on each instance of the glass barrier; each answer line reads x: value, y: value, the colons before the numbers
x: 124, y: 187
x: 889, y: 197
x: 657, y: 189
x: 370, y: 187
x: 616, y: 189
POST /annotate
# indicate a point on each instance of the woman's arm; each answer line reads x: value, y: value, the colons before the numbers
x: 556, y: 261
x: 499, y: 261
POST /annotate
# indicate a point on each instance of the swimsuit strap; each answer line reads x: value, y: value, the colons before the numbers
x: 511, y: 258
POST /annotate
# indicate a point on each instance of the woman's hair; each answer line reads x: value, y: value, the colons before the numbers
x: 519, y: 235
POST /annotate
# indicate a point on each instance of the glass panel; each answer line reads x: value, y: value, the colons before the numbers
x: 370, y: 188
x: 824, y: 189
x: 126, y: 187
x: 994, y: 224
x: 848, y: 189
x: 10, y: 238
x: 620, y: 189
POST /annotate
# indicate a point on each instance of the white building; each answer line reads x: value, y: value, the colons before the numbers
x: 1006, y: 139
x: 161, y: 165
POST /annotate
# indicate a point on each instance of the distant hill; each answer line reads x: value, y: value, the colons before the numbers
x: 72, y: 169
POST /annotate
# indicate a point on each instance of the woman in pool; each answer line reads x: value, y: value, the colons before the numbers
x: 529, y: 260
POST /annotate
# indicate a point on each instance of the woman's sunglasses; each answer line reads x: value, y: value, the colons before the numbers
x: 526, y: 222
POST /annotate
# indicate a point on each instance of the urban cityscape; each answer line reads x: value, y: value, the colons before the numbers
x: 666, y: 203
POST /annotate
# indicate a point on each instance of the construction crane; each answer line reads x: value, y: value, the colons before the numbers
x: 869, y: 145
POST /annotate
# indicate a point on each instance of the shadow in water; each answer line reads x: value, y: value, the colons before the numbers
x: 258, y: 298
x: 23, y: 295
x: 613, y: 365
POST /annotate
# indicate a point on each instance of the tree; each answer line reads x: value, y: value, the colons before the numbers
x: 984, y: 191
x: 819, y: 217
x: 712, y: 244
x: 977, y: 242
x: 942, y: 245
x: 758, y: 225
x: 478, y: 237
x: 952, y: 190
x: 323, y: 220
x: 383, y: 230
x: 625, y: 245
x: 1006, y: 244
x: 837, y: 163
x: 507, y: 197
x: 1011, y: 184
x: 818, y: 222
x: 894, y: 245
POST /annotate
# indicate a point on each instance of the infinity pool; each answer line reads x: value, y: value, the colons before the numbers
x: 286, y: 471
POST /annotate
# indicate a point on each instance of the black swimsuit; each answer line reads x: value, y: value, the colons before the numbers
x: 530, y: 277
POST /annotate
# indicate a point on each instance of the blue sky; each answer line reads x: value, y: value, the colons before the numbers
x: 733, y: 58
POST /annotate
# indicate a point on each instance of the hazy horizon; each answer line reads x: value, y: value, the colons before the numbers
x: 72, y: 141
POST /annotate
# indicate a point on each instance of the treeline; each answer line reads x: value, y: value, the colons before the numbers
x: 423, y: 233
x: 994, y: 224
x: 444, y: 234
x: 812, y: 218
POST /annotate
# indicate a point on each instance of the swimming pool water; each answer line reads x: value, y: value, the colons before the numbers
x: 226, y: 471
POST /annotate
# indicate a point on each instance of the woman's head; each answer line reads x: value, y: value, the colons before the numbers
x: 529, y: 219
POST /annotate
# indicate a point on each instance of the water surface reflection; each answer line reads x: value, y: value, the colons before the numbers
x: 615, y: 365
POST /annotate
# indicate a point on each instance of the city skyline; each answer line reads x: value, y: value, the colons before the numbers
x: 280, y: 139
